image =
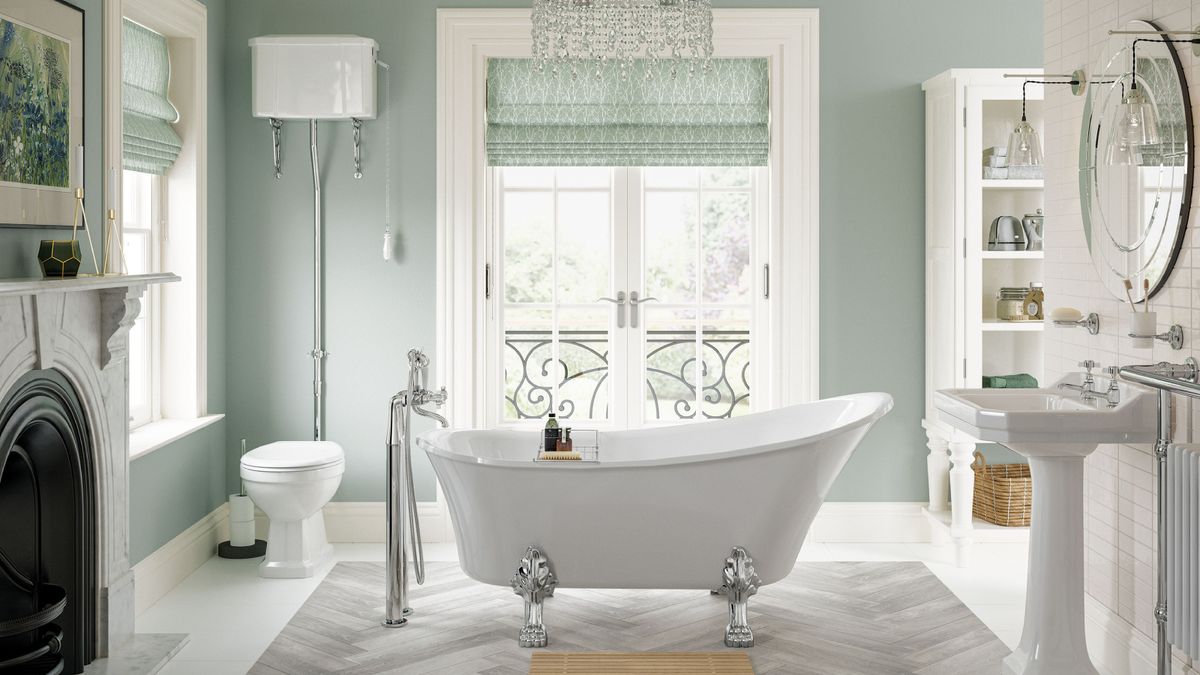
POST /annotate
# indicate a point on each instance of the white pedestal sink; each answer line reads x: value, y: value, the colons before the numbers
x: 1056, y: 429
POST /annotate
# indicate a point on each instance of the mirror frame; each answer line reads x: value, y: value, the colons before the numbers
x: 1086, y: 128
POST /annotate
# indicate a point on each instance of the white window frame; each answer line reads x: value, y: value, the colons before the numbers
x: 467, y: 38
x: 627, y: 347
x: 182, y: 382
x: 152, y: 308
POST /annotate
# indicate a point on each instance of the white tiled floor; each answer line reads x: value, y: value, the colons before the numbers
x: 232, y: 615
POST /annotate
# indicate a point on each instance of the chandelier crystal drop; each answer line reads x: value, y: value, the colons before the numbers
x: 589, y: 34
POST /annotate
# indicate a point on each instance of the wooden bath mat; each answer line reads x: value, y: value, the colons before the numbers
x: 601, y: 663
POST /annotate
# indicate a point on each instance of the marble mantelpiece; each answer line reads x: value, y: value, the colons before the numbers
x: 80, y: 327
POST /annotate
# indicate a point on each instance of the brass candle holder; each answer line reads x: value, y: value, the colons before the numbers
x: 61, y: 258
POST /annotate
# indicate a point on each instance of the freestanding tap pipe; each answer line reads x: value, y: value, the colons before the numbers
x: 401, y: 498
x: 318, y: 353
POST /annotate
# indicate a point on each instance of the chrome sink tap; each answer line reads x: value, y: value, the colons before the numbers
x: 1113, y: 395
x: 1086, y: 390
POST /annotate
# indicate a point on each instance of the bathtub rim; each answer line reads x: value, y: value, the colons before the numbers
x: 879, y: 404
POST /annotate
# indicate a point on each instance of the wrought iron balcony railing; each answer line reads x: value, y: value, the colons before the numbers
x: 575, y: 382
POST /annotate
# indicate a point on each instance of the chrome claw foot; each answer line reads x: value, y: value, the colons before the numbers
x: 740, y: 583
x: 532, y: 636
x: 534, y: 581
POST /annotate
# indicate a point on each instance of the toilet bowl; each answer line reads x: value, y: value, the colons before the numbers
x: 291, y: 481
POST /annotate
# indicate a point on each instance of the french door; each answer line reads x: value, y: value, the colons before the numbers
x: 626, y: 297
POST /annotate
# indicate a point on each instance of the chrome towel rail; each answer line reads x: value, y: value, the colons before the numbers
x: 1168, y: 379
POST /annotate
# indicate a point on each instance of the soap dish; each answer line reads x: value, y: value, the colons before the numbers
x: 1090, y: 323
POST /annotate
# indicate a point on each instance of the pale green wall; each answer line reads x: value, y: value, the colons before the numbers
x: 874, y: 55
x: 177, y: 485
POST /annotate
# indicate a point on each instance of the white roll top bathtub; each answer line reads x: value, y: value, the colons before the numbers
x: 662, y: 508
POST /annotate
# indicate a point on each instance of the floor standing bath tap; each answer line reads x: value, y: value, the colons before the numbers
x: 401, y: 499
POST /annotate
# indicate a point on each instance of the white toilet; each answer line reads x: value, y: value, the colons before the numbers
x: 291, y: 481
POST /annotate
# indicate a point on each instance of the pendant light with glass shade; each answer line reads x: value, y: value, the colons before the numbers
x: 1024, y: 145
x: 1136, y: 121
x: 1137, y: 117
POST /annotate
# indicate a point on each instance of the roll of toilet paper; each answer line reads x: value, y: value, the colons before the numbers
x: 241, y: 534
x: 241, y: 520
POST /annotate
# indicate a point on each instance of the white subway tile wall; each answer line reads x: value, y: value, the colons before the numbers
x: 1120, y: 491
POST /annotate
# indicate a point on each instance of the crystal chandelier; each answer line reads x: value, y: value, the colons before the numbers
x: 592, y: 33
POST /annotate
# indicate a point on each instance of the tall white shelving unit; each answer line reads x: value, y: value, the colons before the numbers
x: 967, y: 110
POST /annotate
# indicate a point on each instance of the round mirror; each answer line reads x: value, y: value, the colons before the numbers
x: 1135, y: 152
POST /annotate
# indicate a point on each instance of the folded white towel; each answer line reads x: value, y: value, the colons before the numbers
x: 997, y: 150
x: 995, y: 161
x: 994, y: 173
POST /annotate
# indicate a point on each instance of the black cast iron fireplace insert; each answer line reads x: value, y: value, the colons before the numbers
x: 48, y: 549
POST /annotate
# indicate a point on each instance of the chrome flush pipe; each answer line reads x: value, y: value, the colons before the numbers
x: 401, y: 497
x: 318, y: 353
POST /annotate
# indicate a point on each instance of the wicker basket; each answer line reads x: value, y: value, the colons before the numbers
x: 1003, y: 492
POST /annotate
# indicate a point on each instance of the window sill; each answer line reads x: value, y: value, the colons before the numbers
x: 150, y: 437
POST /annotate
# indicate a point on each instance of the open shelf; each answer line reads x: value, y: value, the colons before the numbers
x: 1013, y: 255
x: 998, y: 326
x: 1013, y: 184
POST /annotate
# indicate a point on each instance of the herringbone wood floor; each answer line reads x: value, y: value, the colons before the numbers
x: 830, y: 618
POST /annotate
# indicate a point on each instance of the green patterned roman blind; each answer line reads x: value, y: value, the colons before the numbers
x: 714, y: 118
x: 150, y: 143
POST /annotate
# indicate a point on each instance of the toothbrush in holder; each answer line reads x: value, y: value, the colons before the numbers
x: 1129, y: 296
x: 1142, y: 325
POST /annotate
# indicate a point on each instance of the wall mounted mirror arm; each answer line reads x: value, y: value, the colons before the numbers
x: 1078, y: 81
x: 1193, y: 36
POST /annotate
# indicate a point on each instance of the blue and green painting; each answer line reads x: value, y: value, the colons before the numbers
x: 35, y: 107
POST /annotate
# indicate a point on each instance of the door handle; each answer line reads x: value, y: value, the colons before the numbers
x: 619, y: 301
x: 633, y: 307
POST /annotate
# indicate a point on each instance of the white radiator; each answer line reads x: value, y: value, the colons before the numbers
x: 1183, y: 548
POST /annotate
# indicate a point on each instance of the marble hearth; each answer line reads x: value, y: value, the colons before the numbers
x: 79, y: 327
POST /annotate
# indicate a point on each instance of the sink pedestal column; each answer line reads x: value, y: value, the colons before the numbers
x: 1052, y: 641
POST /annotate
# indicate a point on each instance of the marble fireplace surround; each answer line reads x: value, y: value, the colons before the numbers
x: 80, y: 327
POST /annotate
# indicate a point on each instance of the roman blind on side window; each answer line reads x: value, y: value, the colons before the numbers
x: 717, y: 117
x: 150, y: 144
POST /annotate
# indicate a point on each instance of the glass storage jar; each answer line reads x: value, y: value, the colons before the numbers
x: 1010, y: 304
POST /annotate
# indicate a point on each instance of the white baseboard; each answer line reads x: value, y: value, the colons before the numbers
x: 162, y: 570
x: 1117, y: 648
x: 874, y: 522
x: 366, y: 523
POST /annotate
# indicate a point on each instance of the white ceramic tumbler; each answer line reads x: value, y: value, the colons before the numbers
x: 1143, y: 323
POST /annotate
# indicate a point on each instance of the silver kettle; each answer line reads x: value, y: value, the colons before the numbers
x: 1007, y: 234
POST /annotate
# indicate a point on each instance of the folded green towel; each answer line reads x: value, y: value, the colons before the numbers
x: 1019, y: 381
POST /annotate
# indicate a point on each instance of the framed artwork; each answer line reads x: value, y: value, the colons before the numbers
x: 41, y: 112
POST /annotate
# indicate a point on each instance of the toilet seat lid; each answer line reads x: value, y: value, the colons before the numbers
x: 294, y: 455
